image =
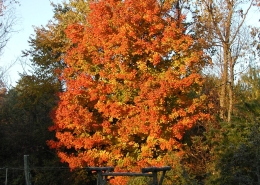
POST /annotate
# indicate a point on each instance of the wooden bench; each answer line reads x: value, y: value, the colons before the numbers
x: 104, y: 172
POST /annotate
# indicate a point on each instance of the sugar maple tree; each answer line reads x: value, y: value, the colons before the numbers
x: 132, y: 86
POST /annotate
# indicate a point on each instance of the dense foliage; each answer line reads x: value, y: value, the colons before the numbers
x: 131, y: 70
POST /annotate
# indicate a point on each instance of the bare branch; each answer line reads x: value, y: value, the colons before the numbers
x: 7, y: 22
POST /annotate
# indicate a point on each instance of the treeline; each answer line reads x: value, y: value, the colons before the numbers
x: 148, y: 88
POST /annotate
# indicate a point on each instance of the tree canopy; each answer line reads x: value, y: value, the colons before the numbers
x: 133, y: 81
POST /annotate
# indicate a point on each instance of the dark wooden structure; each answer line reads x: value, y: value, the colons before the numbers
x: 104, y: 172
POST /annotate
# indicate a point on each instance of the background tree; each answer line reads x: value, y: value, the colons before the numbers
x: 7, y: 21
x: 223, y: 23
x: 25, y: 118
x: 25, y: 109
x: 236, y: 154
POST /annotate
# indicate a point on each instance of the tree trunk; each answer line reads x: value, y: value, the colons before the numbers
x: 231, y: 86
x: 223, y: 91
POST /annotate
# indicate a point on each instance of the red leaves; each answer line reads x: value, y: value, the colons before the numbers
x: 133, y: 85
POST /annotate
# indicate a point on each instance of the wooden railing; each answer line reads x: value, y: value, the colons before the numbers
x: 104, y: 172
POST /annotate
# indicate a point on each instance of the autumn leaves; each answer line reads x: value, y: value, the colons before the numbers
x: 132, y: 86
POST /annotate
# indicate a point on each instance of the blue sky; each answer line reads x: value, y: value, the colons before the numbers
x: 30, y: 13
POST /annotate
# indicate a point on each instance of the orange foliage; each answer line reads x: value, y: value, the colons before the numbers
x: 132, y: 87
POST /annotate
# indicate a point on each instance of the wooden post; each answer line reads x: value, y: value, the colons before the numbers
x: 99, y: 177
x: 162, y: 177
x: 154, y: 171
x: 155, y: 181
x: 100, y: 170
x: 26, y: 170
x: 6, y: 173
